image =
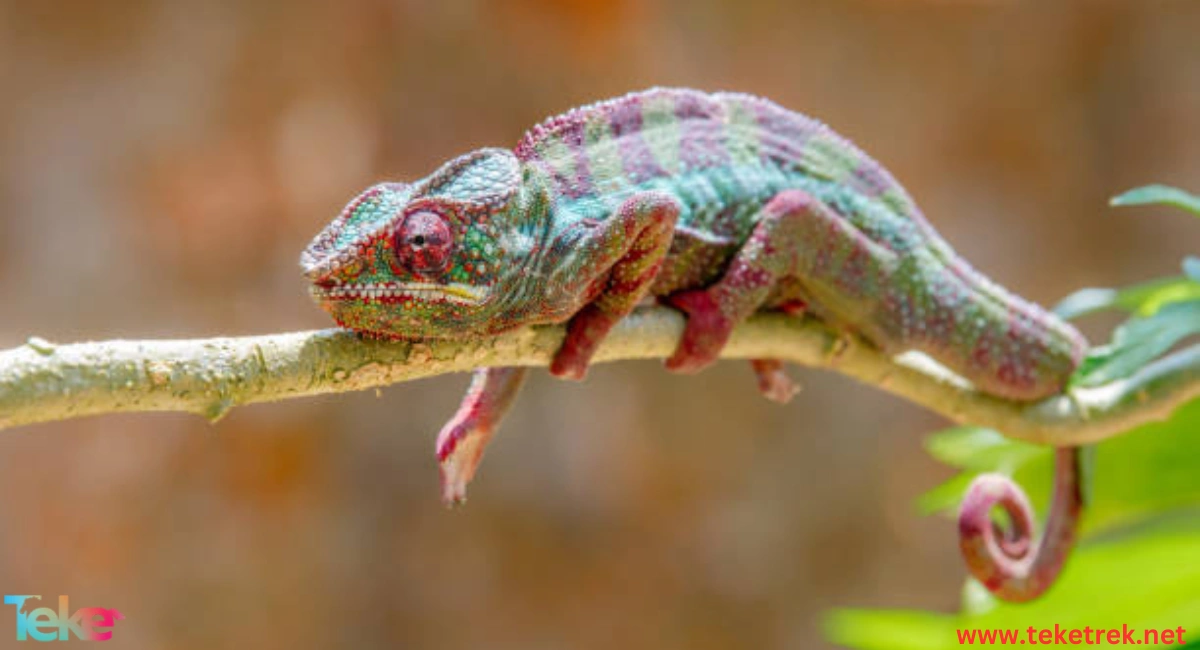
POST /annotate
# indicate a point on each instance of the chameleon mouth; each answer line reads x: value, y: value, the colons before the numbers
x: 395, y: 292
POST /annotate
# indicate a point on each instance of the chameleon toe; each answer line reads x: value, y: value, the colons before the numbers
x: 773, y: 381
x: 584, y: 333
x: 459, y: 450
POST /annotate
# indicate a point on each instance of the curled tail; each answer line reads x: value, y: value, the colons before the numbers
x: 1007, y: 562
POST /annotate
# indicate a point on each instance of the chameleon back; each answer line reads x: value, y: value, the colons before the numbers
x: 725, y: 155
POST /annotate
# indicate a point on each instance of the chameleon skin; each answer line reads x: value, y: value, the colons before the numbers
x: 719, y: 204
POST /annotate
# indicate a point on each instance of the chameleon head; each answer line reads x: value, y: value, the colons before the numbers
x: 422, y: 260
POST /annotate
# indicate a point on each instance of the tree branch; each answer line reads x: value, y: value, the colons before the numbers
x: 41, y: 381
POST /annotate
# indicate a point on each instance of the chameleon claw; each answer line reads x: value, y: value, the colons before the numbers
x: 773, y: 381
x: 584, y: 334
x: 706, y: 332
x: 569, y: 364
x: 568, y: 369
x: 459, y: 450
x: 794, y: 308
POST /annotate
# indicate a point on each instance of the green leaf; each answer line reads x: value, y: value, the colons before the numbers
x: 1180, y: 290
x: 1145, y: 579
x: 1141, y: 299
x: 1151, y: 470
x: 1138, y: 341
x: 1088, y: 301
x: 979, y: 448
x: 1159, y: 194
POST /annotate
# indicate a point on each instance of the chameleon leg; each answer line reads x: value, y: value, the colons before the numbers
x: 461, y: 443
x: 630, y: 248
x: 763, y: 260
x: 797, y: 237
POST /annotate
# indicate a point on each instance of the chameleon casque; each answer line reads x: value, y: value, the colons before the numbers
x: 719, y: 205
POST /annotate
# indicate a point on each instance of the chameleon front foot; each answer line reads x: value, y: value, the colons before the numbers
x: 707, y: 331
x: 587, y: 329
x: 629, y: 249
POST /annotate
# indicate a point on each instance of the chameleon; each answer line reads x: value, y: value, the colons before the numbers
x: 720, y: 205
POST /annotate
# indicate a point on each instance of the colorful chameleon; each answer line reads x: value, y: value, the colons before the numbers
x: 720, y: 205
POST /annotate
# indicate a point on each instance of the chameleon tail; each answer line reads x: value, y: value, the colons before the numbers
x: 1007, y: 562
x: 1006, y: 345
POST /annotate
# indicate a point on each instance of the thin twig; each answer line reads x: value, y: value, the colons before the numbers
x: 41, y: 381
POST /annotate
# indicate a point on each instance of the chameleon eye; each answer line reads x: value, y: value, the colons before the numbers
x: 423, y: 242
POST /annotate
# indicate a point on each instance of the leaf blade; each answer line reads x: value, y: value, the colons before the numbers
x: 1158, y: 195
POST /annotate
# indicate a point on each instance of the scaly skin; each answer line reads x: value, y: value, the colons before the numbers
x: 718, y: 204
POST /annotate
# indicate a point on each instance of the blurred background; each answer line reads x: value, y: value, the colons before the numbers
x: 162, y: 164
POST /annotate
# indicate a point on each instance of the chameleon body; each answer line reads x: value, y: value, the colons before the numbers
x: 720, y: 205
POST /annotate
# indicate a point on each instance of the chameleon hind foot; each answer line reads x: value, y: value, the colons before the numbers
x: 707, y: 332
x: 462, y: 441
x: 773, y: 381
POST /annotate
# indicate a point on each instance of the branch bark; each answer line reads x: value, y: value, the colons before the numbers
x: 41, y: 381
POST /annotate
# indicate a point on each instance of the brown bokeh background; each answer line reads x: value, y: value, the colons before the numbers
x: 163, y: 163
